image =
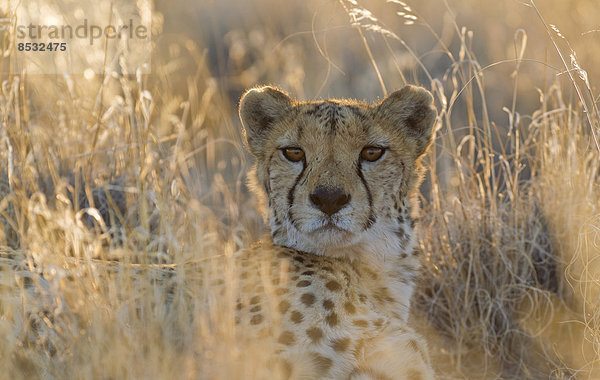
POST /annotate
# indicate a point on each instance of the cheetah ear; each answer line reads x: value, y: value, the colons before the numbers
x: 260, y: 109
x: 410, y: 109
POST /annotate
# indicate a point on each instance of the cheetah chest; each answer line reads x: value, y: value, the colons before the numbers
x: 315, y: 312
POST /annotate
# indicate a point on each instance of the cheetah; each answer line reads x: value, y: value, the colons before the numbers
x: 331, y: 285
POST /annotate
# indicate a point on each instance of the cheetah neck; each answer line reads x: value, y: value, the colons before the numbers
x: 380, y: 250
x: 391, y: 257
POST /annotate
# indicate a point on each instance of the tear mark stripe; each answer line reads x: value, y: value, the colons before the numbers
x: 292, y: 191
x: 371, y: 219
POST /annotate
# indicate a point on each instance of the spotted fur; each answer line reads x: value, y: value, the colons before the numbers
x: 339, y: 261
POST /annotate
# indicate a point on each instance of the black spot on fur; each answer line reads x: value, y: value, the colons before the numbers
x: 333, y: 286
x: 296, y: 317
x: 372, y: 219
x: 328, y: 304
x: 400, y: 233
x: 349, y: 307
x: 287, y: 338
x: 332, y: 319
x: 315, y: 334
x: 322, y: 363
x: 256, y: 319
x: 341, y: 344
x: 308, y: 299
x: 255, y: 309
x: 283, y: 306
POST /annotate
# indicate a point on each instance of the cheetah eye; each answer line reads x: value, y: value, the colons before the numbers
x: 371, y: 153
x: 293, y: 154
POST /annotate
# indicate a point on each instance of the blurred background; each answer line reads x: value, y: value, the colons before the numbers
x: 311, y: 49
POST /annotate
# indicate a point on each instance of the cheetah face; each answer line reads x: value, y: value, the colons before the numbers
x: 337, y: 174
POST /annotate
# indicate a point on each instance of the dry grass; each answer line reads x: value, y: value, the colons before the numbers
x: 510, y: 278
x: 120, y: 203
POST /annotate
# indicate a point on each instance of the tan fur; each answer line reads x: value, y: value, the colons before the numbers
x: 341, y: 229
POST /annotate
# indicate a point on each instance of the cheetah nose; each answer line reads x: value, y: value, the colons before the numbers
x: 329, y: 200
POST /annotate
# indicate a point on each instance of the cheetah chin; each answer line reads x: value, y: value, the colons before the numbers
x: 330, y: 240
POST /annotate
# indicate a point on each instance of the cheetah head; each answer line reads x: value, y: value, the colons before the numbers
x: 337, y: 175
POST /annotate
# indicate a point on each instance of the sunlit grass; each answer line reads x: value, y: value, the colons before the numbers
x: 121, y: 204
